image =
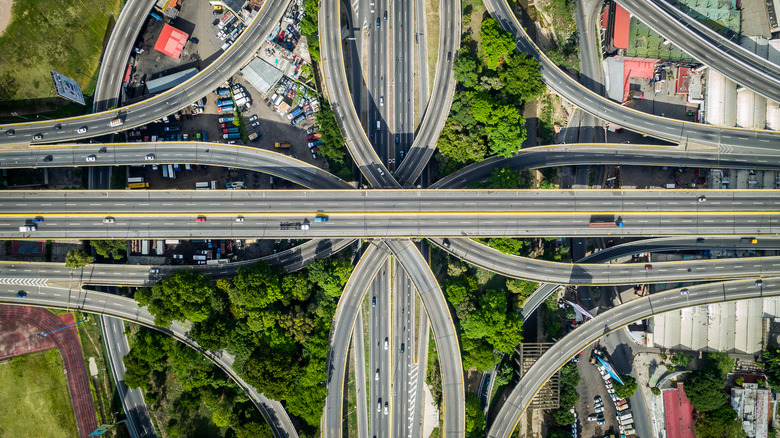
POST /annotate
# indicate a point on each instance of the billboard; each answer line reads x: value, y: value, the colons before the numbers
x: 67, y: 87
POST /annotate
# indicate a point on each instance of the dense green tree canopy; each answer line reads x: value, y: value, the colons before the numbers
x: 771, y: 361
x: 113, y: 249
x: 77, y: 258
x: 496, y: 43
x: 185, y: 295
x: 475, y: 417
x: 705, y: 390
x: 719, y: 423
x: 627, y: 388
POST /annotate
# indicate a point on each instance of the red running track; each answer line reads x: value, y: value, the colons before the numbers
x: 68, y: 344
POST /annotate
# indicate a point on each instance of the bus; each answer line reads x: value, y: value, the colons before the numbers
x: 139, y: 185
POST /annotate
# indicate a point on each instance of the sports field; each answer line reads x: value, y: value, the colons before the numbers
x: 64, y: 35
x: 34, y: 401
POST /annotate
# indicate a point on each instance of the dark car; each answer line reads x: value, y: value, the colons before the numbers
x: 373, y: 302
x: 10, y: 132
x: 385, y: 15
x: 194, y: 40
x: 21, y: 294
x: 378, y: 21
x: 447, y: 243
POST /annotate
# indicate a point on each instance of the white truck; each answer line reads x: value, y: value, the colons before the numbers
x: 27, y: 228
x: 116, y: 122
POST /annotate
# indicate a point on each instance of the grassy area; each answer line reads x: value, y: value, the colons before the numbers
x: 66, y: 36
x: 35, y: 399
x: 473, y: 13
x: 352, y: 425
x: 643, y: 42
x: 432, y: 37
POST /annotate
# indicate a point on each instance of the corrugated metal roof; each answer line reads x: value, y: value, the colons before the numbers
x: 167, y: 82
x: 261, y: 74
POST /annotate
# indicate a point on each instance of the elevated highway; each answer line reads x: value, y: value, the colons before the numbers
x: 207, y: 154
x: 385, y: 213
x: 609, y: 321
x: 127, y: 309
x: 224, y: 67
x: 727, y: 140
x: 594, y: 273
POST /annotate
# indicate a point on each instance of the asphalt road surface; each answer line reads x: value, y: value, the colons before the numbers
x: 224, y: 67
x: 609, y: 321
x: 726, y: 139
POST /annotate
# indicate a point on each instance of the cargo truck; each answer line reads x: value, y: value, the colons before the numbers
x: 27, y: 228
x: 751, y: 240
x: 297, y: 120
x: 202, y: 184
x: 223, y: 102
x: 205, y: 135
x: 253, y: 136
x: 135, y: 179
x: 605, y: 224
x: 321, y: 218
x: 226, y: 108
x: 226, y: 119
x: 229, y: 130
x: 295, y: 113
x: 172, y: 128
x: 116, y: 122
x: 223, y: 91
x: 232, y: 135
x: 282, y: 145
x: 138, y: 185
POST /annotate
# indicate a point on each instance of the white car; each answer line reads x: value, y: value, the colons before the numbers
x: 386, y: 344
x: 386, y: 408
x: 253, y: 118
x: 82, y: 130
x: 376, y: 377
x: 91, y: 158
x: 108, y: 220
x: 240, y: 219
x: 381, y: 101
x: 149, y: 157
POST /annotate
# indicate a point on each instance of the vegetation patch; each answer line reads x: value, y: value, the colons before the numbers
x: 66, y: 36
x: 276, y: 324
x: 35, y: 400
x: 494, y: 81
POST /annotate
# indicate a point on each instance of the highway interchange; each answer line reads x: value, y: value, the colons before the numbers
x: 383, y: 214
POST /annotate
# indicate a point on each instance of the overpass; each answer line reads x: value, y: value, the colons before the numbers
x: 386, y: 213
x: 609, y: 321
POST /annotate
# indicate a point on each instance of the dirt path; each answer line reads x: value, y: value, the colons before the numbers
x: 67, y: 343
x: 5, y: 14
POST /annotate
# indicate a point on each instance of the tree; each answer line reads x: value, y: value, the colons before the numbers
x: 559, y: 433
x: 475, y: 417
x: 467, y: 67
x: 258, y: 287
x: 507, y: 245
x: 563, y: 417
x: 522, y: 78
x: 627, y: 388
x: 185, y: 295
x: 461, y: 145
x: 332, y: 146
x: 655, y: 390
x: 507, y: 136
x: 496, y: 43
x: 771, y: 361
x: 78, y: 258
x: 681, y: 359
x: 521, y: 289
x: 719, y: 423
x: 721, y: 362
x: 113, y: 249
x: 705, y: 390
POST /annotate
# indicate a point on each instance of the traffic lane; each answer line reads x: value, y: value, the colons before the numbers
x: 343, y: 322
x: 597, y: 204
x: 382, y: 366
x: 609, y: 321
x: 645, y: 155
x: 681, y: 244
x: 154, y: 108
x: 605, y: 274
x: 184, y: 226
x: 443, y: 89
x: 169, y: 153
x: 613, y: 112
x: 451, y: 364
x: 128, y: 310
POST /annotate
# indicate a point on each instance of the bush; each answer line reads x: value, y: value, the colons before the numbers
x: 627, y: 388
x: 655, y: 390
x: 78, y: 258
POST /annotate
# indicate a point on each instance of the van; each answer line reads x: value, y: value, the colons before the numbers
x: 378, y: 125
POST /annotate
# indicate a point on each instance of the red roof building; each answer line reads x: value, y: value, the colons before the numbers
x: 683, y: 80
x: 678, y: 413
x: 171, y: 41
x: 622, y: 25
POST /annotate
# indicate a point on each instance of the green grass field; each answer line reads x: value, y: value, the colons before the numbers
x: 34, y: 401
x: 66, y: 36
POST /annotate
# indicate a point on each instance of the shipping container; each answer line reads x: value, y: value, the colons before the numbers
x: 135, y: 179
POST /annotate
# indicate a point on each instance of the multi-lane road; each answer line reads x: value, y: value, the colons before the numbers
x: 609, y: 321
x: 238, y: 55
x: 387, y: 213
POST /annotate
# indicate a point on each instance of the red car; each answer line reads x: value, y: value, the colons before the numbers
x: 200, y: 219
x: 648, y: 267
